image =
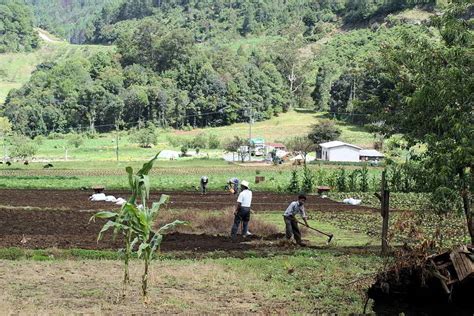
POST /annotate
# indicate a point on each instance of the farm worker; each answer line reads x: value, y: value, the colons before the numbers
x: 204, y: 182
x: 234, y: 185
x: 242, y: 211
x: 295, y: 208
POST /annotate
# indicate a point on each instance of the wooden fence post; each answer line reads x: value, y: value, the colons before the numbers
x: 384, y: 197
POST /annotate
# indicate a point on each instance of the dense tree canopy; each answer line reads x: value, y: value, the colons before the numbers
x: 16, y: 27
x: 425, y: 90
x: 187, y: 63
x: 71, y: 20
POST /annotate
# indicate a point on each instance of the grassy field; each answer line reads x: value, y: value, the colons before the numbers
x: 278, y: 129
x: 286, y: 125
x: 304, y: 282
x: 166, y: 175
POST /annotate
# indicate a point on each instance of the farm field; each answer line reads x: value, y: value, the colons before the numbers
x: 180, y: 175
x: 256, y: 274
x: 46, y: 238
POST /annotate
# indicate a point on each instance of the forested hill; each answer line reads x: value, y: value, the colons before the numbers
x: 209, y: 63
x: 68, y: 19
x: 227, y: 20
x: 16, y: 27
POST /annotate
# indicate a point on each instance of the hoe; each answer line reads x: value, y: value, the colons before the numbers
x: 317, y: 230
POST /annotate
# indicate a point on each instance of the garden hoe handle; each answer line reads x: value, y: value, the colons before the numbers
x: 317, y: 230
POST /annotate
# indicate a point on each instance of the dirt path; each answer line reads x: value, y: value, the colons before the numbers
x: 45, y: 37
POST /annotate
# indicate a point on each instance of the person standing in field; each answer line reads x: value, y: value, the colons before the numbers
x: 204, y: 182
x: 291, y: 224
x: 242, y: 211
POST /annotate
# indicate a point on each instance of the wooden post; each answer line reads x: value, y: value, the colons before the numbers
x: 384, y: 197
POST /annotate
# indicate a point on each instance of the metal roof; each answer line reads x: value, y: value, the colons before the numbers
x: 337, y: 143
x: 370, y: 153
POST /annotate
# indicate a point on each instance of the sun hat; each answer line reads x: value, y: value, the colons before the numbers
x: 245, y: 184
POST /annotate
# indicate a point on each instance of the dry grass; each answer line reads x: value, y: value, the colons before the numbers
x: 92, y: 287
x: 216, y: 223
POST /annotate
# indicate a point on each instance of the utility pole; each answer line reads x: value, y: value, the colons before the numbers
x: 117, y: 141
x: 250, y: 115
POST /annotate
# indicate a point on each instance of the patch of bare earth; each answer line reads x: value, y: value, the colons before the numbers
x: 93, y: 287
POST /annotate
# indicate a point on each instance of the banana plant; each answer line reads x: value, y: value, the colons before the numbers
x: 135, y: 222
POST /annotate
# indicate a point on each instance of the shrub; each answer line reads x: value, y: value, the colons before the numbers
x: 294, y: 185
x: 39, y: 140
x: 75, y: 140
x: 174, y: 141
x: 307, y: 185
x: 213, y: 142
x: 22, y: 147
x: 11, y: 253
x: 55, y: 135
x: 145, y: 137
x: 199, y: 141
x: 184, y: 150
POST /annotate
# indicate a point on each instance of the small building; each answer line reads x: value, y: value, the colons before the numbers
x: 258, y: 146
x: 339, y: 151
x: 370, y: 155
x: 277, y: 146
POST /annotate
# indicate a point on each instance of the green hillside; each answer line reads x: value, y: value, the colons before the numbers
x: 16, y: 68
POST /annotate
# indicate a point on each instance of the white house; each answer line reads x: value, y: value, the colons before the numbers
x: 339, y: 151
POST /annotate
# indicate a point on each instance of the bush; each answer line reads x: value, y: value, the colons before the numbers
x: 174, y: 141
x: 22, y: 147
x: 145, y: 137
x: 199, y: 141
x: 294, y: 185
x: 75, y: 140
x: 55, y: 135
x: 213, y: 142
x: 184, y: 150
x: 39, y: 140
x: 307, y: 185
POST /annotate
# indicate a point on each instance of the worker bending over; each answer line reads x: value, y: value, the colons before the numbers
x: 204, y: 182
x: 242, y: 211
x: 233, y: 185
x: 291, y: 224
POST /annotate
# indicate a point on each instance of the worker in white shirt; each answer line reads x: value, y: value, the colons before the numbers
x: 291, y: 224
x: 242, y: 211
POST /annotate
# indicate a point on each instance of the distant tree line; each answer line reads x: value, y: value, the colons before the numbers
x: 167, y: 80
x: 100, y: 20
x: 16, y: 27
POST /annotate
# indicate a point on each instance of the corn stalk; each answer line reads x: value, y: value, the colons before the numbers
x: 136, y: 223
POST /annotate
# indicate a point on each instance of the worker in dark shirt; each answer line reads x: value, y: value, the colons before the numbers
x: 291, y: 224
x: 204, y: 182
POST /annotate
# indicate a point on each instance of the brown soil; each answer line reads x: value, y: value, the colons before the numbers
x: 38, y: 219
x: 71, y: 229
x: 79, y: 200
